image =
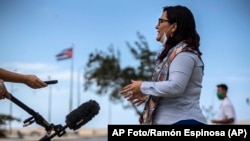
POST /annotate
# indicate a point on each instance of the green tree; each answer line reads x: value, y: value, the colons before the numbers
x: 3, y: 119
x: 104, y: 71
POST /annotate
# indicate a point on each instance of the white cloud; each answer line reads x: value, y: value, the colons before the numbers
x: 28, y: 67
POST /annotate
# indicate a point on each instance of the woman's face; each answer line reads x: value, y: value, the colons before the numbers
x: 163, y: 26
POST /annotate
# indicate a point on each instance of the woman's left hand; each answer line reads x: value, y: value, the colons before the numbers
x: 132, y: 92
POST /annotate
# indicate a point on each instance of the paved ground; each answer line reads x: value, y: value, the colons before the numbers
x: 36, y: 134
x: 102, y: 138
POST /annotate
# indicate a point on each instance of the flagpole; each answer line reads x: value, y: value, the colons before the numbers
x: 71, y: 83
x: 66, y: 54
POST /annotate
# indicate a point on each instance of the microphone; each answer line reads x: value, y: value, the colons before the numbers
x: 84, y: 113
x: 75, y: 119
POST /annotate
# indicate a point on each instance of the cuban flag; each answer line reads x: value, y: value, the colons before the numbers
x: 65, y: 54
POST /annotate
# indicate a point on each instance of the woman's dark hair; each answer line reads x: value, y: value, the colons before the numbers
x: 186, y: 29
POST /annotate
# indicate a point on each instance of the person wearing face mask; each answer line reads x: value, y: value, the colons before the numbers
x: 173, y: 95
x: 226, y: 113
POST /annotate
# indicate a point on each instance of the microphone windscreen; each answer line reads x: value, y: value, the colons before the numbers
x: 83, y: 114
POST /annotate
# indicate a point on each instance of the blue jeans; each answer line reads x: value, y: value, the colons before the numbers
x: 188, y: 122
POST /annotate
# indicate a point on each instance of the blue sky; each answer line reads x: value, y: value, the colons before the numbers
x: 33, y: 32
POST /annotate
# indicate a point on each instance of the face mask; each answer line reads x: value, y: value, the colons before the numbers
x: 164, y: 37
x: 220, y: 96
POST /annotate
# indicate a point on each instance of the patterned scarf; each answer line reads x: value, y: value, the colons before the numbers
x: 160, y: 74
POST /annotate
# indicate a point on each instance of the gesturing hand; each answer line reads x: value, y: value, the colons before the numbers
x: 132, y: 92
